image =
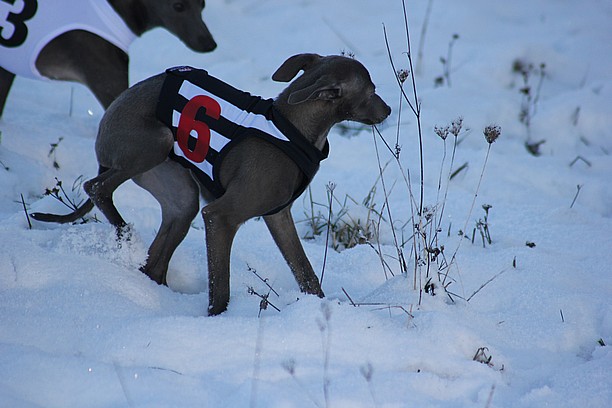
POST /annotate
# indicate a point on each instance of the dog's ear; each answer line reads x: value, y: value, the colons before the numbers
x: 289, y: 69
x: 324, y: 89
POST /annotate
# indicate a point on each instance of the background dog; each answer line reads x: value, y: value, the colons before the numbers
x: 86, y: 41
x: 257, y: 177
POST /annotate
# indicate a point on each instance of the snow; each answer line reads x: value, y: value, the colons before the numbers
x: 81, y: 326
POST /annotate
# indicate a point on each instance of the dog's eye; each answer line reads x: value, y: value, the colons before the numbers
x: 179, y: 6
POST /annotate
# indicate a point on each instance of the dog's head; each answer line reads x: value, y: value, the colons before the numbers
x: 183, y: 18
x: 341, y: 84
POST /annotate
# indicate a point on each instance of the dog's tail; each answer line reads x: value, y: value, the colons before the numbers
x: 79, y: 212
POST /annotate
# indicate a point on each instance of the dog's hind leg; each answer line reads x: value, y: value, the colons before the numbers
x: 283, y: 231
x: 178, y: 195
x: 100, y: 189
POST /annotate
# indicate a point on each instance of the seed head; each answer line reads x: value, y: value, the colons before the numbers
x: 442, y: 132
x: 456, y: 126
x: 402, y: 75
x: 491, y: 133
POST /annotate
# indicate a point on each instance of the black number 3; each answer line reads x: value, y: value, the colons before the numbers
x: 20, y: 31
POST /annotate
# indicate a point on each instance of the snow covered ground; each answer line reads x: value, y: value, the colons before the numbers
x: 80, y: 326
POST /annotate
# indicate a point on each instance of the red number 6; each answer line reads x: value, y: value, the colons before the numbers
x: 188, y: 123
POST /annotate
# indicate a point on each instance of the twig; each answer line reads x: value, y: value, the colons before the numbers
x: 588, y: 163
x: 578, y: 187
x: 459, y: 169
x: 386, y: 306
x: 25, y: 210
x: 349, y: 298
x: 262, y: 279
x: 486, y: 283
x: 264, y: 303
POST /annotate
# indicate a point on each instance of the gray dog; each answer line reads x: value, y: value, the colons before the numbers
x: 86, y: 41
x: 184, y: 132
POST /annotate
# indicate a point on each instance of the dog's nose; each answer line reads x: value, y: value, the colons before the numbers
x: 387, y: 110
x: 204, y: 44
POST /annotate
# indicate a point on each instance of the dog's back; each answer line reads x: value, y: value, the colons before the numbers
x: 38, y: 23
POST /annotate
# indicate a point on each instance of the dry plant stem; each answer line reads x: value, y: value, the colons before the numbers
x: 473, y: 202
x: 417, y: 114
x: 450, y: 169
x: 433, y: 227
x: 378, y: 250
x: 330, y: 191
x: 441, y: 171
x: 447, y: 63
x: 400, y: 256
x: 399, y: 83
x: 386, y: 267
x: 419, y: 64
x: 417, y: 111
x: 399, y: 121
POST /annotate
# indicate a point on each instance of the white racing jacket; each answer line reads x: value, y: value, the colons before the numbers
x: 28, y: 25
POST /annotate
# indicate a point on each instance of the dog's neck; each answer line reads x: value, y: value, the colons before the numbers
x: 134, y: 13
x: 314, y: 123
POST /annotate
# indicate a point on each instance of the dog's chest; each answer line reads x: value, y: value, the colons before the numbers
x: 208, y: 117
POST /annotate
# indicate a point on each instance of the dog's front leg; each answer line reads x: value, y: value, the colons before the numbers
x: 220, y: 232
x: 283, y: 231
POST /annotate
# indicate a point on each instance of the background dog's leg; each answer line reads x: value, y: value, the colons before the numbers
x: 70, y: 57
x: 178, y: 195
x: 107, y: 85
x: 6, y: 80
x: 283, y: 231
